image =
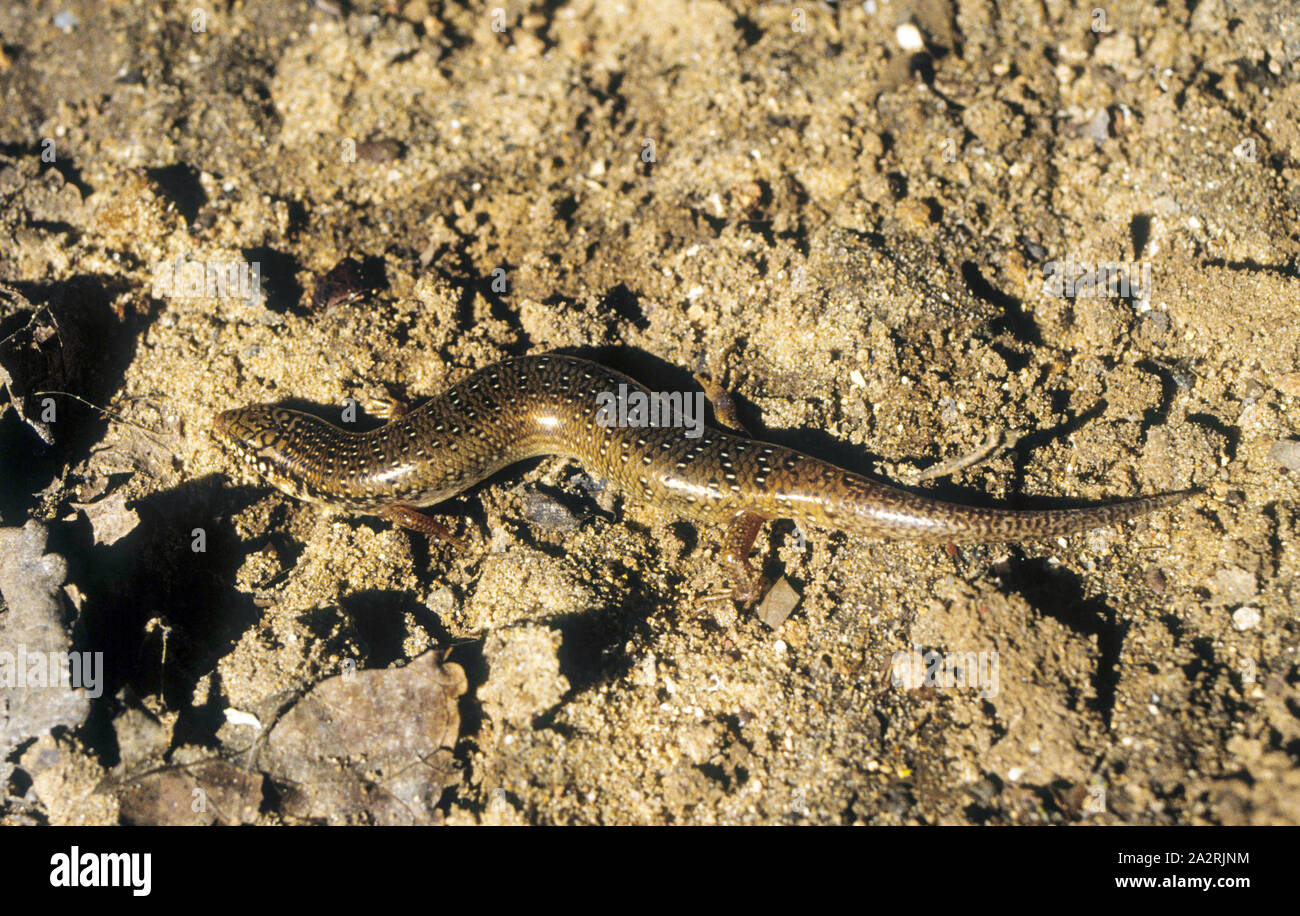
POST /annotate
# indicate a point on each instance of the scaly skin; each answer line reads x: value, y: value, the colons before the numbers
x: 546, y: 405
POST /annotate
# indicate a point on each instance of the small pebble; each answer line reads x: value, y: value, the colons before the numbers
x: 909, y: 37
x: 1233, y: 585
x: 1157, y: 320
x: 380, y: 151
x: 778, y: 604
x: 1286, y: 452
x: 343, y: 284
x: 543, y: 511
x: 1245, y: 618
x: 1098, y: 128
x: 1289, y: 384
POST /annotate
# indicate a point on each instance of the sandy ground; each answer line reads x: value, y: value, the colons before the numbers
x: 848, y: 233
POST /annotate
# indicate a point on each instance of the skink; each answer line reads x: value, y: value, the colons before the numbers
x: 547, y: 405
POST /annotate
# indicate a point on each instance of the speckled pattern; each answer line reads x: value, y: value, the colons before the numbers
x: 546, y: 405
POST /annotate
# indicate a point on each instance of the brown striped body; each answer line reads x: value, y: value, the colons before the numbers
x: 546, y: 405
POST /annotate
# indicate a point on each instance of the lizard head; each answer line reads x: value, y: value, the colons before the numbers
x: 267, y: 438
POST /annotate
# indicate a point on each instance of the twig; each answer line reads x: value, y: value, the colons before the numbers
x: 994, y: 443
x: 116, y: 417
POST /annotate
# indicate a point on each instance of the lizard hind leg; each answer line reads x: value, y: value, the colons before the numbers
x: 407, y: 517
x: 737, y: 543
